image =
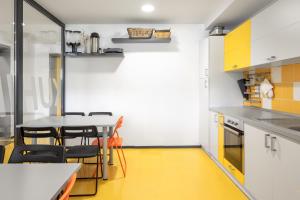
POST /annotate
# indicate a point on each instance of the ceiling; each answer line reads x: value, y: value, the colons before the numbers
x: 129, y: 11
x: 209, y: 12
x: 237, y: 12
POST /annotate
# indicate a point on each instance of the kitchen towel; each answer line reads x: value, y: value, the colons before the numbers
x: 266, y: 89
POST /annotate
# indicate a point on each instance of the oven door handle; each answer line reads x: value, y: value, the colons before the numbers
x: 233, y: 131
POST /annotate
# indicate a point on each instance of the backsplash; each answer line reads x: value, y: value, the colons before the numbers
x: 286, y: 82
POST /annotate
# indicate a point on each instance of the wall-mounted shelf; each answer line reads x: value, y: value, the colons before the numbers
x: 151, y: 40
x: 94, y: 54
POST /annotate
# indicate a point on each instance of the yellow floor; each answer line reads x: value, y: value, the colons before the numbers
x: 165, y: 174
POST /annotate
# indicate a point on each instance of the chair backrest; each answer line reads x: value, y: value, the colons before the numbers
x: 37, y: 153
x: 100, y: 113
x: 66, y: 194
x: 73, y: 113
x: 38, y: 132
x: 68, y: 132
x: 2, y: 153
x: 119, y: 124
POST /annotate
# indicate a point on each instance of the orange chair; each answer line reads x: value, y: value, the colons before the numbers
x: 115, y: 141
x: 66, y: 194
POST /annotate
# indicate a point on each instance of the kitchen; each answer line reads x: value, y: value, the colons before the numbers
x: 207, y: 102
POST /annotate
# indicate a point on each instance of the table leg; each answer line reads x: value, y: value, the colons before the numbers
x: 34, y: 141
x: 111, y: 150
x: 105, y: 134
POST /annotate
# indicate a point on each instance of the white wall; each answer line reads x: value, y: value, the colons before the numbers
x: 155, y: 86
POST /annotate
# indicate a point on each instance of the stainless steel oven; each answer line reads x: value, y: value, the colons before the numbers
x: 234, y: 142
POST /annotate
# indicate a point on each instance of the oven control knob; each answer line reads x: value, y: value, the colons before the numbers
x: 236, y: 124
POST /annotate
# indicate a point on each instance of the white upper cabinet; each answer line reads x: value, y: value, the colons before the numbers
x: 275, y: 33
x: 279, y: 15
x: 283, y: 44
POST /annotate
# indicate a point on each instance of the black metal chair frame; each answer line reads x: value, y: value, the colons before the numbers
x: 37, y: 153
x: 73, y: 113
x: 2, y: 153
x: 39, y: 132
x: 100, y: 113
x: 83, y: 131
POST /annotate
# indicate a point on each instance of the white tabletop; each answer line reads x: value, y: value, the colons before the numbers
x: 34, y: 181
x: 59, y: 121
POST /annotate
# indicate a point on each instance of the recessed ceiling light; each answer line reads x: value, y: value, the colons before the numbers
x: 148, y: 8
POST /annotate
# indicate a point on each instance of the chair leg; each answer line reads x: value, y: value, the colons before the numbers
x: 96, y: 183
x: 119, y: 156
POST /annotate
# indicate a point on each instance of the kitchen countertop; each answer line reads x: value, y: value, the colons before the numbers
x: 276, y: 122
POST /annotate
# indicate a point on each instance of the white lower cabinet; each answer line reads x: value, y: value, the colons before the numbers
x: 272, y: 166
x: 286, y: 162
x: 213, y: 130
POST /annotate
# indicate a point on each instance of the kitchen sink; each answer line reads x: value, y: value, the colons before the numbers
x: 292, y: 123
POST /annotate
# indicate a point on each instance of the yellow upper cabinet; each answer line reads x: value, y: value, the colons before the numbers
x: 237, y: 48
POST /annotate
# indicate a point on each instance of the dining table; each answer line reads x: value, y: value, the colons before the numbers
x: 35, y: 181
x: 106, y: 123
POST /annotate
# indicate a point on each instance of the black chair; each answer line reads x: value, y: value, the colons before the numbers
x: 83, y: 151
x: 37, y: 153
x: 2, y: 153
x: 73, y: 113
x: 39, y: 132
x: 100, y: 113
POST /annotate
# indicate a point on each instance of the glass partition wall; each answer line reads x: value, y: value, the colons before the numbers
x: 39, y: 63
x: 42, y: 65
x: 7, y: 69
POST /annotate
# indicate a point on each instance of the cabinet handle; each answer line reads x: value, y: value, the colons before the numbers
x: 266, y: 141
x: 271, y: 58
x: 273, y: 143
x: 234, y: 66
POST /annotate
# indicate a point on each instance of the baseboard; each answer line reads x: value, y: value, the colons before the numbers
x: 161, y: 147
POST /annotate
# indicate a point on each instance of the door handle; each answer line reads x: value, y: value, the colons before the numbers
x: 273, y: 143
x: 266, y: 141
x: 272, y: 58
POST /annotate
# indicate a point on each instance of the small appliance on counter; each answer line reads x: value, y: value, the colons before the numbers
x: 95, y: 42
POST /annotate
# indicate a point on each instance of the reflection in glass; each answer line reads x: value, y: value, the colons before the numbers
x: 6, y: 69
x: 41, y: 65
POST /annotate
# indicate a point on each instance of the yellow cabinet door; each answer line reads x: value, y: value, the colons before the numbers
x: 237, y: 48
x: 234, y: 171
x: 221, y: 138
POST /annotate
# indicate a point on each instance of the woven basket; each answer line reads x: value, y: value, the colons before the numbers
x: 162, y: 34
x: 140, y: 33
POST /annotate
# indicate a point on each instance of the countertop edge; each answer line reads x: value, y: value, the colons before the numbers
x: 289, y: 134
